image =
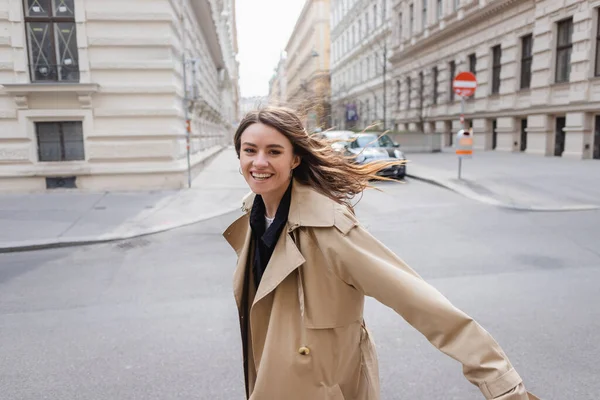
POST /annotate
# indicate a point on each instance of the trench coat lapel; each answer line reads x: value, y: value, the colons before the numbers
x: 286, y: 259
x: 238, y: 235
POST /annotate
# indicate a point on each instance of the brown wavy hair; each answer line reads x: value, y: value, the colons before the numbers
x: 324, y: 169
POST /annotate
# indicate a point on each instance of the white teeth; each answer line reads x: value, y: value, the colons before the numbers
x: 261, y: 176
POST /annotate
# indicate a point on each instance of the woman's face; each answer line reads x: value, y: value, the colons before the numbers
x: 266, y: 159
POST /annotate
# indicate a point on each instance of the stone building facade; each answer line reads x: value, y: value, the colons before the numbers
x: 537, y: 65
x: 278, y: 85
x: 360, y: 74
x: 248, y: 104
x: 307, y: 81
x: 93, y: 92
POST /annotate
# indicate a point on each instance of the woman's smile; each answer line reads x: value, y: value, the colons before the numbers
x: 260, y: 176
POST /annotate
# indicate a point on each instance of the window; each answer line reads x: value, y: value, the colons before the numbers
x: 368, y: 113
x: 360, y: 109
x: 367, y: 21
x: 526, y: 59
x: 597, y: 72
x: 60, y: 141
x: 424, y: 20
x: 368, y: 67
x: 434, y: 74
x: 452, y: 69
x: 409, y: 91
x: 411, y: 21
x: 360, y: 33
x: 51, y: 40
x: 398, y: 87
x: 421, y: 89
x: 374, y: 15
x: 375, y: 62
x: 473, y: 63
x: 400, y: 27
x: 564, y: 46
x: 496, y: 68
x: 456, y: 4
x: 440, y: 9
x: 375, y: 110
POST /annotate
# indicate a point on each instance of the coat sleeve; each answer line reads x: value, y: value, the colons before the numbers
x: 363, y: 262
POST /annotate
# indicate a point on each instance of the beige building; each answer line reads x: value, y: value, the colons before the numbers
x: 278, y: 84
x: 360, y: 76
x: 537, y: 68
x: 92, y: 92
x: 307, y: 65
x: 248, y: 104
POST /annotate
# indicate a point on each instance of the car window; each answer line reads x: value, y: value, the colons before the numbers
x: 385, y: 141
x: 365, y: 141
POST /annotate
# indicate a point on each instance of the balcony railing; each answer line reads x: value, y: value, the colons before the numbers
x: 54, y: 73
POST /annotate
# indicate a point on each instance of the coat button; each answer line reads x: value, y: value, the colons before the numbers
x: 304, y: 350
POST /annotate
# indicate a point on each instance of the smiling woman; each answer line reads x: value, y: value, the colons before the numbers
x: 305, y: 265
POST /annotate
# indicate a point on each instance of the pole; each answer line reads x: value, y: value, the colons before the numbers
x: 384, y: 69
x: 186, y: 100
x: 462, y: 121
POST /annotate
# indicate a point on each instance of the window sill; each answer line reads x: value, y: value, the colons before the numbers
x: 61, y: 168
x: 21, y: 91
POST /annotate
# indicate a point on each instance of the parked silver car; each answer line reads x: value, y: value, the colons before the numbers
x: 372, y: 146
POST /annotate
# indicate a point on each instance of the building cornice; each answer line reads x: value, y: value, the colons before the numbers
x: 471, y: 18
x: 204, y: 16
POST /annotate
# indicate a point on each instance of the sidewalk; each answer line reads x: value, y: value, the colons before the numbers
x: 514, y: 180
x: 62, y: 218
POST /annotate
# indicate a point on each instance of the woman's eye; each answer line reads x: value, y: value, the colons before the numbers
x: 275, y: 152
x: 249, y: 151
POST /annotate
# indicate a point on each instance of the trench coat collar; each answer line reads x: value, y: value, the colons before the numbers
x: 308, y: 208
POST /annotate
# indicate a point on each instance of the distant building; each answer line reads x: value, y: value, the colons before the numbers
x: 537, y: 65
x: 360, y: 77
x: 278, y: 84
x: 307, y: 87
x: 92, y: 92
x: 252, y: 103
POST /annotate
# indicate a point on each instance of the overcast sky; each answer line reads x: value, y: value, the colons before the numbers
x: 263, y: 29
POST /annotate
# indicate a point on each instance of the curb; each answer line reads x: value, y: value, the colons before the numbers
x: 107, y: 238
x: 497, y: 203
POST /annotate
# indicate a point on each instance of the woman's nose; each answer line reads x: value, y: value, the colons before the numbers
x: 261, y: 160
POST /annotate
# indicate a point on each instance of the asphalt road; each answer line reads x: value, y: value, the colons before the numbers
x: 154, y: 317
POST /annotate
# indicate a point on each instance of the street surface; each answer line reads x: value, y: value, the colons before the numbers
x: 154, y: 317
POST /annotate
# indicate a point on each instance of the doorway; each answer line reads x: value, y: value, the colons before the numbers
x: 494, y: 134
x: 523, y: 146
x: 596, y: 154
x: 559, y: 138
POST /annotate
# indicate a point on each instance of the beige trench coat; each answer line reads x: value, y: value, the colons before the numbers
x: 306, y: 338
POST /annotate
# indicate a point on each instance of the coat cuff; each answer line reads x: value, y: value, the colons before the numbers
x: 501, y: 385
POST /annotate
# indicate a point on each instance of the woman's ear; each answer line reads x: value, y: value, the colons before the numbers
x: 296, y: 162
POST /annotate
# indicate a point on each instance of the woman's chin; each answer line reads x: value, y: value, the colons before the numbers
x: 260, y: 187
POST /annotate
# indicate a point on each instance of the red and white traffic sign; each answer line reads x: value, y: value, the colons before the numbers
x: 465, y: 84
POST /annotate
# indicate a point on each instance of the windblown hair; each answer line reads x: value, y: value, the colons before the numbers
x: 321, y: 167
